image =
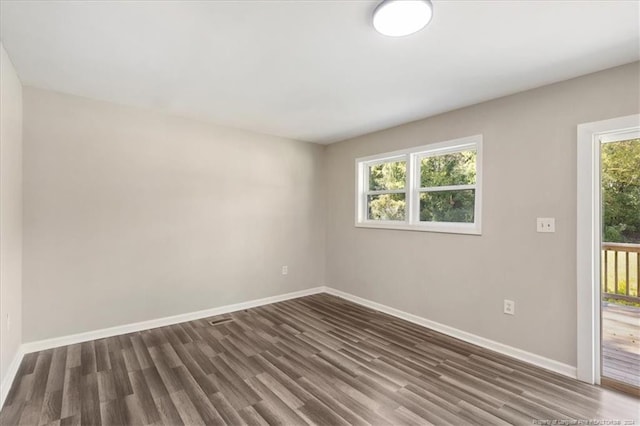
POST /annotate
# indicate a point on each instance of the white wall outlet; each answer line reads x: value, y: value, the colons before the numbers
x: 509, y: 307
x: 546, y: 224
x: 285, y: 270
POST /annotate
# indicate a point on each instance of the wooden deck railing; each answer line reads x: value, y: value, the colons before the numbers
x: 621, y: 271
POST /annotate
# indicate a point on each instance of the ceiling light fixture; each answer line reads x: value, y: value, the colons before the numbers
x: 398, y: 18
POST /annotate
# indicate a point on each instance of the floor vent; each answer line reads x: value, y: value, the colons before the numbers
x: 220, y: 321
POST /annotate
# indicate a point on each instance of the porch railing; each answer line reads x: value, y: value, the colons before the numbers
x: 621, y: 271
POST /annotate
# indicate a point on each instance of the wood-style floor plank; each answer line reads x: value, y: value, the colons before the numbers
x: 621, y: 346
x: 313, y: 360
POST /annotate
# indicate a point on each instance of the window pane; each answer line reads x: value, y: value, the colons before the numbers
x: 386, y: 207
x: 447, y: 206
x: 390, y: 175
x: 458, y: 168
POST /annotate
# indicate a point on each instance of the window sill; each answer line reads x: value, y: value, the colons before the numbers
x: 447, y: 228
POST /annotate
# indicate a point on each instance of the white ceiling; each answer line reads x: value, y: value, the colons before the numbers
x: 310, y: 70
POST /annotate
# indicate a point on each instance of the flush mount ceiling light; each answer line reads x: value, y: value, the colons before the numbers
x: 398, y: 18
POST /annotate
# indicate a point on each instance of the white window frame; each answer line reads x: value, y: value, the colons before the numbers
x: 412, y: 189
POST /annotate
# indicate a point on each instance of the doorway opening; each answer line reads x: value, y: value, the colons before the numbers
x: 620, y: 260
x: 590, y: 252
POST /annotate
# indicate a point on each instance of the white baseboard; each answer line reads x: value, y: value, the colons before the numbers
x: 5, y: 385
x: 161, y: 322
x: 25, y: 348
x: 531, y: 358
x: 55, y: 342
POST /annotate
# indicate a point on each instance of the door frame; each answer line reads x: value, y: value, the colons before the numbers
x: 589, y: 240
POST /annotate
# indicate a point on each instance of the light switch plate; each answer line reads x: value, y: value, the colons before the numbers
x: 546, y: 224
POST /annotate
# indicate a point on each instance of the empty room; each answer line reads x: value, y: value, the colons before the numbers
x: 323, y: 212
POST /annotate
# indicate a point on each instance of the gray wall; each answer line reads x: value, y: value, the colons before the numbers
x: 10, y: 214
x: 529, y: 171
x: 132, y: 215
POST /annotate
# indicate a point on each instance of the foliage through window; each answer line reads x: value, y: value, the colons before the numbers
x: 429, y: 188
x: 621, y: 191
x: 447, y: 192
x: 386, y: 198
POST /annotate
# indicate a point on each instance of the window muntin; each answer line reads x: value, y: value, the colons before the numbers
x: 429, y: 188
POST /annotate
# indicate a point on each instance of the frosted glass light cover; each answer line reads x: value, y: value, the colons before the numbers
x: 398, y: 18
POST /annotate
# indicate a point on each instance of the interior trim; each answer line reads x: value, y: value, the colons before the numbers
x: 71, y: 339
x: 588, y: 240
x: 11, y: 374
x: 522, y: 355
x: 161, y: 322
x: 531, y: 358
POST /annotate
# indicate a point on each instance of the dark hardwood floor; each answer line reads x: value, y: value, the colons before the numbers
x: 318, y: 359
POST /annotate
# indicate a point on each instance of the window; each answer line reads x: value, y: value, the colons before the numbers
x: 429, y: 188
